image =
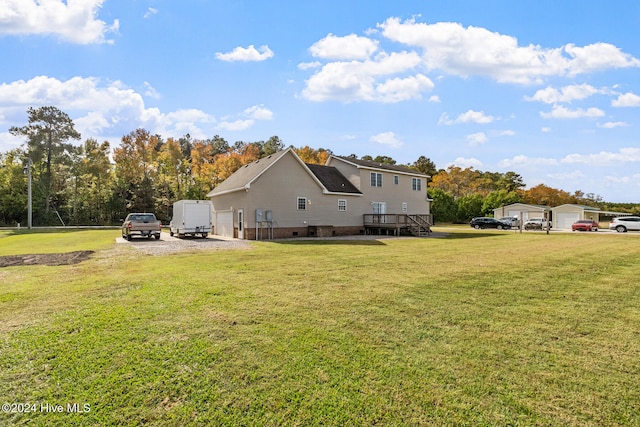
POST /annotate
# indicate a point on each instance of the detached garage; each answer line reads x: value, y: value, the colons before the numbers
x: 565, y: 215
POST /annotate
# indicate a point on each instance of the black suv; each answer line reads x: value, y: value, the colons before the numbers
x: 485, y: 222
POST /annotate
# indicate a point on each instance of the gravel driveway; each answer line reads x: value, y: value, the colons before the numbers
x: 169, y: 245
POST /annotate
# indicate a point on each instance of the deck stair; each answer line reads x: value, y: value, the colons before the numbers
x: 419, y: 225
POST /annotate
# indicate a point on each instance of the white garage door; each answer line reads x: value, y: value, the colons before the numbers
x: 563, y: 220
x: 224, y: 224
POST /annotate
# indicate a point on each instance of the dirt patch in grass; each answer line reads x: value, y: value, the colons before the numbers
x: 45, y: 259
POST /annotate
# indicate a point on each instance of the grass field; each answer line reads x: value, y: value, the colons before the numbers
x: 480, y: 328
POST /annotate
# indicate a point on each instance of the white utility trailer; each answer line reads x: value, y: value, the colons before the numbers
x: 191, y: 217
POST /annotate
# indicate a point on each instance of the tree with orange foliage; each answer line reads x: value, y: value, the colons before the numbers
x: 136, y: 169
x: 456, y: 181
x: 547, y: 196
x: 313, y: 156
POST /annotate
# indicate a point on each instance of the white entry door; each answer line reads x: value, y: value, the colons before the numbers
x: 240, y: 224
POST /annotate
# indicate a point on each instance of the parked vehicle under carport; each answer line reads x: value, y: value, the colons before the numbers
x: 584, y: 225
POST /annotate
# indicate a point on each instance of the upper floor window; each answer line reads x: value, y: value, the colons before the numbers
x: 396, y: 179
x: 342, y: 205
x: 416, y: 184
x: 376, y: 179
x: 302, y: 203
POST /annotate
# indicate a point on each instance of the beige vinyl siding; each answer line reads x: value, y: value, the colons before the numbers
x: 278, y: 190
x: 396, y: 195
x: 235, y: 200
x: 350, y: 172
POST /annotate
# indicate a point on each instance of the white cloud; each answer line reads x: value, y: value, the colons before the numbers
x: 476, y: 139
x: 611, y: 125
x: 567, y: 176
x: 309, y: 65
x: 93, y: 122
x: 567, y: 94
x: 356, y: 66
x: 398, y: 89
x: 246, y: 119
x: 624, y: 155
x: 468, y: 117
x: 524, y: 161
x: 98, y: 109
x: 236, y: 125
x: 633, y: 179
x: 71, y: 21
x: 505, y: 133
x: 387, y: 138
x: 258, y: 112
x: 461, y: 51
x: 351, y: 47
x: 370, y: 80
x: 466, y: 163
x: 627, y: 100
x: 180, y: 122
x: 150, y: 91
x: 249, y: 54
x: 9, y: 142
x: 560, y: 112
x: 150, y: 12
x: 597, y: 56
x: 434, y: 99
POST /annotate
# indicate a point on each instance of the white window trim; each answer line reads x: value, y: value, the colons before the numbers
x: 377, y: 181
x: 342, y: 205
x: 298, y: 204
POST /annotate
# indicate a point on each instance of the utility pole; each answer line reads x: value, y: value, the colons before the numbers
x: 29, y: 203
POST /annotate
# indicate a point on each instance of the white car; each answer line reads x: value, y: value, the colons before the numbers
x: 536, y: 224
x: 625, y: 223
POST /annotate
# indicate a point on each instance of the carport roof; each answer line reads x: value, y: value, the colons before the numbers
x: 533, y: 207
x: 595, y: 210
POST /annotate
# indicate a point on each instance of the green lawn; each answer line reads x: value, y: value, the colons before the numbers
x: 481, y: 328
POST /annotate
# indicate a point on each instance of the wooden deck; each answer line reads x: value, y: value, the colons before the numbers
x: 396, y: 224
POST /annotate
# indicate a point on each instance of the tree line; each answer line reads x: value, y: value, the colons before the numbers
x: 460, y: 194
x: 91, y: 184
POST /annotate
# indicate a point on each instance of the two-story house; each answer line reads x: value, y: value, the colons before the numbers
x: 280, y: 196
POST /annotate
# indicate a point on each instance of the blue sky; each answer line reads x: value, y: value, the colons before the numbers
x: 547, y: 89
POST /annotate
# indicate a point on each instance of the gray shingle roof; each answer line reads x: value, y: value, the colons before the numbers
x: 332, y: 179
x: 377, y: 165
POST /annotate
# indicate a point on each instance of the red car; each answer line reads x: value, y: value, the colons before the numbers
x: 584, y: 225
